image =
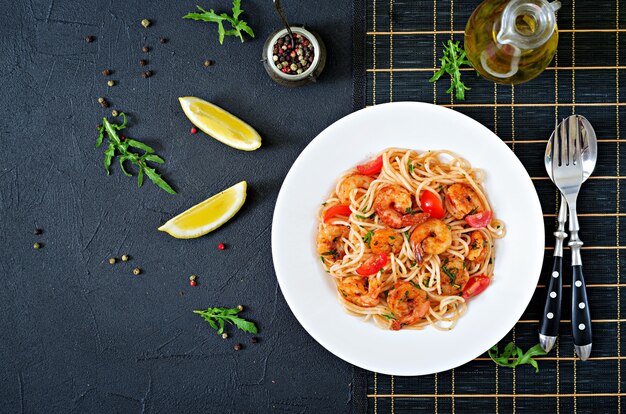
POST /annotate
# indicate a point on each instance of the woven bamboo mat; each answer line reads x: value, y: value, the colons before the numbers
x: 401, y: 43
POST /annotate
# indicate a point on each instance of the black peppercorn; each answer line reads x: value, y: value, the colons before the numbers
x: 106, y: 72
x: 143, y: 62
x: 207, y: 63
x: 145, y: 49
x: 146, y: 74
x: 90, y: 39
x: 237, y: 347
x: 254, y: 340
x: 38, y: 232
x: 162, y: 40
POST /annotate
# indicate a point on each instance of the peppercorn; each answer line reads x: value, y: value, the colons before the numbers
x: 193, y: 277
x: 207, y: 63
x: 145, y: 23
x: 106, y: 72
x: 114, y: 113
x: 240, y: 307
x: 112, y: 260
x: 224, y: 335
x: 221, y: 246
x: 193, y: 130
x: 162, y: 40
x: 111, y: 83
x: 37, y: 246
x: 38, y: 232
x: 237, y: 347
x: 254, y: 340
x: 145, y: 49
x: 90, y: 39
x: 146, y: 74
x: 143, y: 62
x: 136, y: 271
x: 125, y: 258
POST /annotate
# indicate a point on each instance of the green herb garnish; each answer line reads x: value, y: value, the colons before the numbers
x: 368, y: 238
x: 415, y: 285
x: 473, y: 211
x: 216, y: 317
x: 453, y: 58
x: 238, y: 26
x: 411, y: 167
x: 512, y: 351
x: 451, y: 273
x: 122, y: 147
x: 409, y: 210
x: 392, y: 316
x: 333, y: 253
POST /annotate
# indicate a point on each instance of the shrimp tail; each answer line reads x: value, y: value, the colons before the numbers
x: 419, y: 253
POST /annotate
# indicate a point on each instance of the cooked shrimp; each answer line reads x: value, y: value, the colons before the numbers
x: 477, y: 247
x: 386, y: 241
x: 432, y: 237
x: 349, y: 184
x: 393, y: 205
x: 329, y: 243
x: 360, y: 290
x: 454, y: 276
x: 408, y: 303
x: 463, y: 200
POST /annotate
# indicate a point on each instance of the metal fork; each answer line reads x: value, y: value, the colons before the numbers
x: 567, y: 172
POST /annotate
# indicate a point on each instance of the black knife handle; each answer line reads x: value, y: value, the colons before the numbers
x: 581, y: 320
x: 551, y: 317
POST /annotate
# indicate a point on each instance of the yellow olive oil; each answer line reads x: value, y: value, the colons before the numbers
x: 512, y: 41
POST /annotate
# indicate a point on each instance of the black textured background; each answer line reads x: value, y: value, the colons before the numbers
x: 80, y: 335
x: 588, y: 77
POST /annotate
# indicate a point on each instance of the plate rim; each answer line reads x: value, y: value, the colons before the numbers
x: 416, y: 106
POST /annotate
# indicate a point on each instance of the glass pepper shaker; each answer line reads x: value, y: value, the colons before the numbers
x: 294, y: 63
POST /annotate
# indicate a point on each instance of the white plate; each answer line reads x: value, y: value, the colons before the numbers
x: 311, y: 293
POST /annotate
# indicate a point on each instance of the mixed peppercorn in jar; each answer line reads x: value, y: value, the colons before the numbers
x: 293, y: 59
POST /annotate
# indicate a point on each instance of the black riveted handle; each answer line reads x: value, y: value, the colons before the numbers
x: 551, y: 317
x: 581, y: 319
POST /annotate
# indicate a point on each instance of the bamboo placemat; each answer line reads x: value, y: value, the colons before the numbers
x: 402, y: 42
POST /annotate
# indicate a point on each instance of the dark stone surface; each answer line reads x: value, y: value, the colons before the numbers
x: 80, y: 335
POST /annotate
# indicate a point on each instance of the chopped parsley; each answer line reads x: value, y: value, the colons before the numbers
x: 392, y: 238
x: 415, y: 285
x: 368, y: 238
x: 451, y: 273
x: 410, y: 210
x: 392, y: 316
x: 410, y: 167
x: 473, y: 211
x: 343, y: 292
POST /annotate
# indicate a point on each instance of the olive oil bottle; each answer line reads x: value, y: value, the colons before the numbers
x: 512, y: 41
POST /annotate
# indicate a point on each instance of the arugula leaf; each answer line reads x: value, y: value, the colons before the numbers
x: 453, y: 58
x: 121, y: 146
x: 220, y: 316
x: 513, y: 356
x: 238, y: 26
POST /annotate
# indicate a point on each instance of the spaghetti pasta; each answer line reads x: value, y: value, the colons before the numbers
x: 406, y: 260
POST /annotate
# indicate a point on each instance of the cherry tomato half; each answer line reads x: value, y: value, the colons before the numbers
x: 479, y: 220
x: 372, y: 167
x: 338, y: 210
x: 372, y: 265
x: 475, y: 286
x: 432, y: 205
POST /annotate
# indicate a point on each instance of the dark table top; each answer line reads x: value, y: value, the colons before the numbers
x: 80, y: 335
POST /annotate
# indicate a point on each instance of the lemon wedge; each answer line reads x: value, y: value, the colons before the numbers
x: 208, y: 215
x: 221, y: 125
